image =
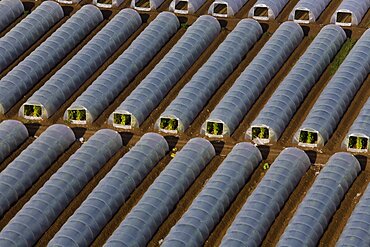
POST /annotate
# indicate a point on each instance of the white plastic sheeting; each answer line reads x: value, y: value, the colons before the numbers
x: 111, y: 192
x: 76, y: 71
x: 232, y: 7
x: 12, y: 134
x: 192, y: 6
x: 113, y: 3
x: 19, y: 175
x: 207, y: 209
x: 308, y: 11
x: 118, y: 75
x: 39, y: 213
x: 267, y: 9
x: 338, y: 94
x: 281, y: 107
x: 321, y: 201
x: 350, y: 12
x: 359, y: 128
x: 159, y: 200
x: 150, y: 92
x: 28, y: 31
x: 9, y: 11
x: 356, y: 233
x: 250, y: 84
x: 197, y: 92
x: 146, y: 5
x: 44, y: 58
x: 264, y: 204
x: 68, y: 1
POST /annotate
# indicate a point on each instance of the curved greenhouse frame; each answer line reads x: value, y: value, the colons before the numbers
x: 186, y: 6
x: 265, y: 10
x: 308, y: 11
x: 110, y: 4
x: 350, y: 12
x: 12, y: 134
x: 146, y: 5
x: 226, y: 8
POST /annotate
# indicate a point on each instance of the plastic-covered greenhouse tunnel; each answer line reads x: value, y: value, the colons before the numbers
x: 181, y: 6
x: 32, y: 111
x: 308, y: 137
x: 302, y: 15
x: 215, y: 128
x: 358, y: 143
x: 261, y: 132
x: 146, y: 5
x: 220, y: 9
x: 77, y: 116
x: 169, y: 124
x: 122, y: 120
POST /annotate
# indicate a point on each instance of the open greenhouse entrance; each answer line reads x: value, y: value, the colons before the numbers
x: 308, y: 137
x: 301, y: 15
x: 122, y: 120
x: 215, y: 128
x: 169, y: 124
x: 261, y: 133
x: 105, y: 2
x: 142, y: 4
x: 261, y: 12
x: 182, y: 6
x: 358, y: 143
x: 344, y: 18
x: 32, y: 111
x: 220, y: 9
x: 77, y: 116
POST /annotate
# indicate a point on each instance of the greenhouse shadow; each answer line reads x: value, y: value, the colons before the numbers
x: 363, y: 161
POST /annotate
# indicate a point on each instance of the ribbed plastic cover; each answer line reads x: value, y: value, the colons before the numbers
x: 153, y: 5
x: 246, y: 89
x: 264, y: 204
x: 357, y: 230
x: 232, y: 6
x: 313, y: 7
x: 71, y: 76
x: 28, y: 31
x: 150, y: 92
x: 159, y: 200
x: 39, y: 213
x: 45, y: 57
x: 9, y: 11
x: 19, y: 175
x: 118, y: 75
x: 207, y: 209
x: 339, y: 92
x: 192, y: 6
x: 12, y: 134
x: 281, y: 107
x: 273, y: 7
x: 112, y: 191
x: 356, y: 8
x: 197, y: 92
x: 321, y: 201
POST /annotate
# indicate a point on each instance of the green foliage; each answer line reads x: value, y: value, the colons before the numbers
x: 77, y: 115
x: 214, y: 128
x: 260, y: 132
x: 168, y: 124
x: 122, y: 119
x: 266, y: 166
x: 342, y: 54
x: 185, y: 25
x: 352, y: 142
x: 308, y: 137
x: 32, y: 111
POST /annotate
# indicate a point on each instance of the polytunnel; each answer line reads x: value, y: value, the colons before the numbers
x: 159, y: 200
x: 146, y: 5
x: 196, y: 93
x: 267, y: 9
x: 357, y: 138
x: 28, y: 31
x: 207, y: 209
x: 356, y: 233
x: 111, y: 192
x: 55, y: 92
x: 68, y: 1
x: 186, y: 6
x: 10, y: 10
x: 107, y: 4
x: 321, y: 201
x: 333, y: 101
x: 12, y: 134
x: 120, y: 73
x: 261, y: 208
x: 150, y: 92
x: 22, y: 172
x: 226, y: 8
x: 44, y: 58
x: 39, y: 213
x: 350, y: 12
x: 308, y: 11
x: 281, y: 107
x: 241, y: 96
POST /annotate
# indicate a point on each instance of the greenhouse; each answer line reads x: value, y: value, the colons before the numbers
x: 146, y: 5
x: 151, y: 91
x: 321, y: 201
x: 111, y: 192
x: 56, y: 91
x: 357, y: 138
x: 357, y: 230
x: 27, y: 168
x: 232, y: 108
x: 308, y: 11
x: 10, y: 10
x: 350, y: 12
x: 28, y: 31
x: 119, y: 74
x: 196, y: 93
x: 265, y: 10
x: 226, y: 8
x: 107, y: 4
x: 163, y: 195
x: 38, y: 214
x: 68, y: 1
x: 334, y: 100
x: 207, y: 209
x: 12, y: 134
x: 261, y: 208
x: 282, y: 105
x: 186, y: 6
x: 44, y: 58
